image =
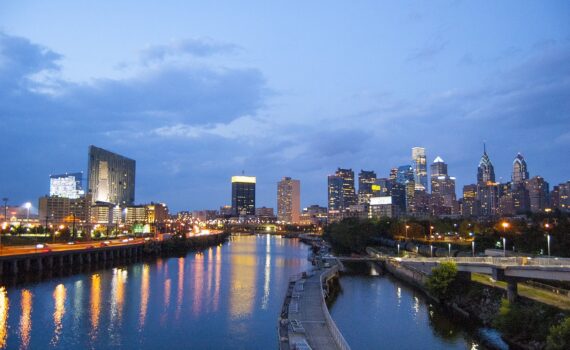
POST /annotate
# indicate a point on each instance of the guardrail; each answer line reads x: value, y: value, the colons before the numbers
x: 337, y: 335
x: 498, y: 261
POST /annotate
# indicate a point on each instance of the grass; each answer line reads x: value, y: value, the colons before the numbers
x: 527, y: 291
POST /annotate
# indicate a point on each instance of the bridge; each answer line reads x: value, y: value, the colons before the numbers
x: 509, y: 269
x: 306, y: 322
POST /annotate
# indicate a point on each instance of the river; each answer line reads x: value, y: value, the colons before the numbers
x: 225, y: 297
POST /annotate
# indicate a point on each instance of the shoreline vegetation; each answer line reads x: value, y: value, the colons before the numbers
x: 539, y: 319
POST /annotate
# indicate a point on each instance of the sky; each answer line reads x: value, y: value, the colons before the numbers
x: 199, y: 91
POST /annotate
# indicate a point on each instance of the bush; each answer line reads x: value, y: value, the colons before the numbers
x: 525, y: 321
x: 441, y: 282
x: 559, y: 337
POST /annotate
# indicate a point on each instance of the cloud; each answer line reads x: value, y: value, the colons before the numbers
x: 21, y: 59
x: 190, y: 47
x: 429, y: 51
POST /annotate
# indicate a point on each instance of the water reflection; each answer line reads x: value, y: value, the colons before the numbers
x: 198, y: 283
x: 218, y: 277
x: 4, y: 308
x: 25, y: 319
x: 243, y: 280
x: 145, y: 290
x: 59, y: 296
x: 227, y: 297
x: 117, y: 303
x: 267, y: 273
x: 180, y: 287
x: 95, y: 298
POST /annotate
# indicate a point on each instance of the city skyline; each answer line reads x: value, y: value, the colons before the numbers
x: 435, y: 79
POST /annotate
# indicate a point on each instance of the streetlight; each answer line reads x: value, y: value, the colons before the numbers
x: 473, y: 247
x: 504, y: 247
x: 407, y: 227
x: 449, y: 249
x: 430, y: 231
x: 431, y: 250
x: 28, y: 205
x: 505, y: 226
x: 548, y: 244
x: 5, y: 199
x: 398, y: 249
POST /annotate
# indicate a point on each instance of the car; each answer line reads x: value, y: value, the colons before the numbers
x: 125, y: 240
x: 91, y: 246
x: 41, y: 246
x: 71, y: 242
x: 104, y: 243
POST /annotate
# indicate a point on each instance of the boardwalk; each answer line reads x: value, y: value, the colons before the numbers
x: 310, y: 324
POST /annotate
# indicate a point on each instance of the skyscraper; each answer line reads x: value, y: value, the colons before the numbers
x: 366, y: 179
x: 335, y: 193
x: 520, y: 172
x: 66, y: 185
x: 405, y: 173
x: 420, y: 168
x: 470, y: 204
x: 485, y: 170
x: 348, y: 191
x: 443, y: 200
x: 289, y: 200
x: 111, y: 177
x: 487, y: 189
x: 243, y: 195
x: 538, y: 191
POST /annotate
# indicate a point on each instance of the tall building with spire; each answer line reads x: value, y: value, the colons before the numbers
x: 520, y: 172
x: 485, y: 171
x: 487, y: 188
x: 420, y: 168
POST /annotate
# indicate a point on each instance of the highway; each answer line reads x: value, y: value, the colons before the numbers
x: 8, y: 251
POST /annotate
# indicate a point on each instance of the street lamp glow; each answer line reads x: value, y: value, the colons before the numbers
x: 548, y: 244
x: 28, y: 205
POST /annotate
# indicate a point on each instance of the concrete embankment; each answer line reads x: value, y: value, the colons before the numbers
x: 43, y: 264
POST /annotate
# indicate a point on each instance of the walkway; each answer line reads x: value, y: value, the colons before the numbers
x: 310, y: 324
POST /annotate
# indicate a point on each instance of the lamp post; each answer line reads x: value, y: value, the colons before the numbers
x: 430, y: 231
x: 431, y: 250
x: 504, y: 247
x: 398, y: 249
x: 5, y: 199
x: 473, y: 247
x: 449, y: 249
x: 407, y: 227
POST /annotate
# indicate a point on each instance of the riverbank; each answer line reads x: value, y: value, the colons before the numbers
x: 523, y: 325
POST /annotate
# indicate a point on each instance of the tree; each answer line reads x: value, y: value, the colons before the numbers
x: 441, y: 281
x: 559, y: 336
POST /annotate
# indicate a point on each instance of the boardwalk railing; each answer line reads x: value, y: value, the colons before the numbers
x: 337, y: 336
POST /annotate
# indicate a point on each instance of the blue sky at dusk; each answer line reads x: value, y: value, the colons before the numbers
x: 197, y: 92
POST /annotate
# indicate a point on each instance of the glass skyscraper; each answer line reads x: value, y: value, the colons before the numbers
x: 111, y: 177
x: 420, y: 168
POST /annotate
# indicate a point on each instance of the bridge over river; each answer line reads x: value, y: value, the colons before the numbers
x: 509, y: 269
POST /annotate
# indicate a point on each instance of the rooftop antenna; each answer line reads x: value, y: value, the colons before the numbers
x: 484, y: 147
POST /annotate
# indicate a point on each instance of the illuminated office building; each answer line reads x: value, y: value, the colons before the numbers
x: 243, y: 195
x: 111, y: 177
x: 366, y: 182
x: 66, y: 185
x: 420, y: 168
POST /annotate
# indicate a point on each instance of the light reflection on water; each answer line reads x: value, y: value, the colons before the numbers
x: 26, y: 319
x: 226, y: 297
